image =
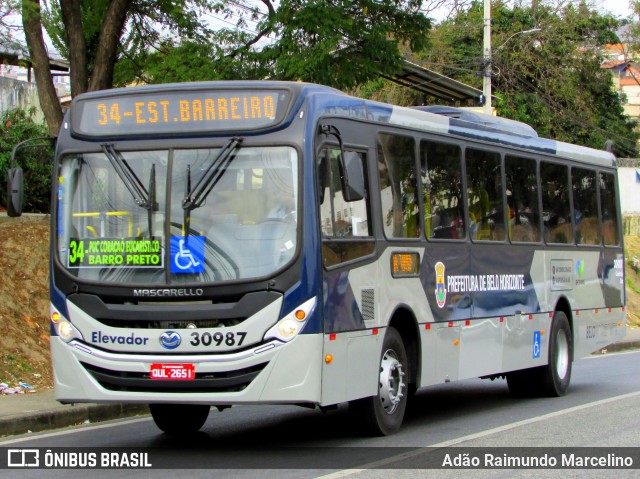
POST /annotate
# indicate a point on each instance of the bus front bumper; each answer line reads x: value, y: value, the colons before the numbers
x: 272, y: 373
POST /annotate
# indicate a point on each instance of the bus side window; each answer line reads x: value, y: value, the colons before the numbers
x: 585, y: 206
x: 441, y: 176
x: 556, y: 208
x: 398, y: 186
x: 609, y: 209
x: 484, y: 192
x: 522, y: 199
x: 340, y: 220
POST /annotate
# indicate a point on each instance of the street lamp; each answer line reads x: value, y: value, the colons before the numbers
x: 486, y: 73
x: 517, y: 33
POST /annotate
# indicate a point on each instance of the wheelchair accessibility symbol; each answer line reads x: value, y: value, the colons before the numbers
x: 187, y: 254
x: 536, y: 344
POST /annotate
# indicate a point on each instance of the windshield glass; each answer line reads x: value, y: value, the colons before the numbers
x: 126, y: 217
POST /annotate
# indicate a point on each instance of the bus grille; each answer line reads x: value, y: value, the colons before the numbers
x: 172, y: 324
x: 229, y: 311
x: 228, y: 381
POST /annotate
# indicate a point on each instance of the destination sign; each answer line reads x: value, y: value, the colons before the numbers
x: 178, y: 112
x: 115, y: 253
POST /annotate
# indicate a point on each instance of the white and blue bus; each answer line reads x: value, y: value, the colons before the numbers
x: 227, y: 243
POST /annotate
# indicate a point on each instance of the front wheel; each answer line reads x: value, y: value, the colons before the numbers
x: 179, y: 418
x: 383, y: 413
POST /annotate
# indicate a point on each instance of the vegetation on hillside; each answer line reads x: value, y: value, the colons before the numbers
x: 632, y: 275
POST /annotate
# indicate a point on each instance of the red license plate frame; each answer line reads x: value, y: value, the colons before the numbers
x: 172, y: 372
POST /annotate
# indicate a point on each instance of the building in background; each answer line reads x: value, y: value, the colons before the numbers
x: 17, y: 83
x: 621, y: 62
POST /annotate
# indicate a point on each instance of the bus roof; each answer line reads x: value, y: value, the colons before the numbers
x: 435, y: 119
x: 471, y: 125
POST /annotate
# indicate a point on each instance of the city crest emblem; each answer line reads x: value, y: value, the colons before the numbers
x: 441, y: 292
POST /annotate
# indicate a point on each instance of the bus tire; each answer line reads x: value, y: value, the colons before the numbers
x: 557, y: 374
x: 383, y: 413
x: 553, y: 379
x: 179, y: 418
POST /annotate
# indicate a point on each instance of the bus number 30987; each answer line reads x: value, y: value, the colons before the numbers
x: 228, y: 339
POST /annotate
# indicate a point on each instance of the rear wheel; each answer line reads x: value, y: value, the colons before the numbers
x: 382, y: 414
x: 179, y: 418
x: 557, y: 374
x: 554, y: 378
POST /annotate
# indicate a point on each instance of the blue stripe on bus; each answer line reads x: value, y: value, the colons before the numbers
x: 58, y: 300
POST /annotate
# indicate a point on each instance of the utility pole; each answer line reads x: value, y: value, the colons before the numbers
x: 486, y: 73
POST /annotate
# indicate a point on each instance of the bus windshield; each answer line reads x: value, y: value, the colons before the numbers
x: 128, y: 216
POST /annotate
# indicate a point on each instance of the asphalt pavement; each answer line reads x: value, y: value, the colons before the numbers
x: 39, y: 411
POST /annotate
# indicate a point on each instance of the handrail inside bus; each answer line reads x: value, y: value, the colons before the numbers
x: 95, y: 214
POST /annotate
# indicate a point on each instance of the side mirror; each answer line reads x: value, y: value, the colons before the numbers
x: 15, y: 175
x: 351, y: 168
x: 352, y: 176
x: 15, y: 192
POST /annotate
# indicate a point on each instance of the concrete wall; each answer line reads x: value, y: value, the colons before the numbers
x: 19, y: 94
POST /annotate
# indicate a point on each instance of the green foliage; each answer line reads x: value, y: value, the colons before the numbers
x: 386, y: 91
x: 339, y: 44
x: 633, y: 27
x: 148, y: 24
x: 551, y: 78
x: 344, y: 46
x: 16, y: 126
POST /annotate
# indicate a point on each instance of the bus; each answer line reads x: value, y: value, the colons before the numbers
x: 265, y: 242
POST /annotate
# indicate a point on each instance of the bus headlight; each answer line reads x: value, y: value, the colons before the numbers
x: 288, y: 328
x: 65, y: 330
x: 290, y: 325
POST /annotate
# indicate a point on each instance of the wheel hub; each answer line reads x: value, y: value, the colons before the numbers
x: 392, y: 386
x: 562, y: 358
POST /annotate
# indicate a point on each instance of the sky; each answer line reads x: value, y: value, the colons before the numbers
x: 619, y: 8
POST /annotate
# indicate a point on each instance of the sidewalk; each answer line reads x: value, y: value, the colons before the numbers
x: 631, y: 341
x: 23, y: 413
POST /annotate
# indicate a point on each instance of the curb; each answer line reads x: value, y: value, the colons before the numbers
x: 69, y: 416
x: 621, y: 346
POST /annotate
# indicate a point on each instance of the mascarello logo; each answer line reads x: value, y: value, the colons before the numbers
x: 441, y: 292
x: 170, y: 340
x: 580, y: 268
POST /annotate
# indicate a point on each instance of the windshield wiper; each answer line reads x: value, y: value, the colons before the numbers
x: 195, y: 197
x: 141, y: 196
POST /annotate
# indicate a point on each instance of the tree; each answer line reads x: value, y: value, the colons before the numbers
x: 94, y: 34
x: 551, y: 78
x: 31, y: 21
x: 336, y: 42
x: 632, y: 35
x: 340, y: 44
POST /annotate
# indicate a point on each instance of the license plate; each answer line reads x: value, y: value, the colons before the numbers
x: 173, y: 372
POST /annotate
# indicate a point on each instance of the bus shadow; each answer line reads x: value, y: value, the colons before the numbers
x: 441, y: 408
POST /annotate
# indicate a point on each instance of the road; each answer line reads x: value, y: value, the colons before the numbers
x: 284, y: 441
